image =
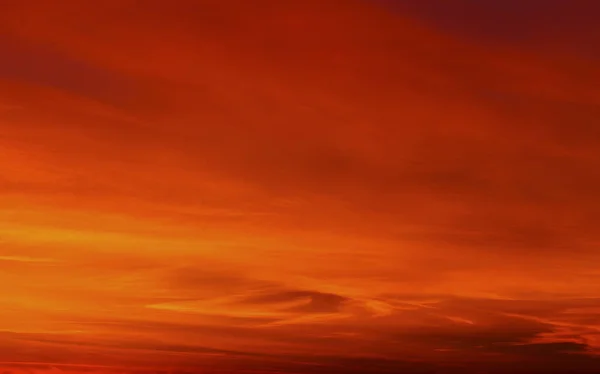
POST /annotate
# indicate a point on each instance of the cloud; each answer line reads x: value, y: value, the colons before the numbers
x: 306, y: 186
x: 27, y: 259
x: 533, y: 22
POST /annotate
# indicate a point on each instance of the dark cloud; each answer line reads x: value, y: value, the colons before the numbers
x: 544, y: 349
x: 483, y: 337
x: 21, y: 59
x: 512, y: 21
x: 318, y: 302
x: 195, y: 277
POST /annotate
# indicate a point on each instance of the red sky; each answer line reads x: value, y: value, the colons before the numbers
x: 299, y: 186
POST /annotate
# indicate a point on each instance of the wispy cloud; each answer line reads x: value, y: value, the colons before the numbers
x: 310, y: 186
x: 29, y: 259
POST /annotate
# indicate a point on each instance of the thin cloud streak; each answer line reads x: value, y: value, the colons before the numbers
x: 27, y: 259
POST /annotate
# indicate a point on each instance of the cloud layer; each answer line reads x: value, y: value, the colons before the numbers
x: 299, y: 187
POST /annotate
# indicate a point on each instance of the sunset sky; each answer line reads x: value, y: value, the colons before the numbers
x: 299, y: 186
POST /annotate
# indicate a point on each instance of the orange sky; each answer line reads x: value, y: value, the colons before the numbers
x: 299, y: 186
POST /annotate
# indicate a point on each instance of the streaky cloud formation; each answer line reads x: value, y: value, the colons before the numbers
x: 299, y: 186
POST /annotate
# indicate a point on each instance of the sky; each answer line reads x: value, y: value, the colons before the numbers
x: 300, y: 186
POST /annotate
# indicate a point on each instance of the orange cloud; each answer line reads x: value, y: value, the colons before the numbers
x: 292, y: 187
